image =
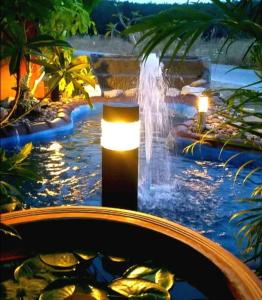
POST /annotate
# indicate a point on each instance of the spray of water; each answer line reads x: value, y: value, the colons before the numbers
x: 154, y: 174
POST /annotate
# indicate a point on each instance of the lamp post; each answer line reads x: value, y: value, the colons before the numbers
x: 202, y: 110
x: 120, y: 141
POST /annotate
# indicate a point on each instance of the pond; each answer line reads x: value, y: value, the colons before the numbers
x: 200, y: 194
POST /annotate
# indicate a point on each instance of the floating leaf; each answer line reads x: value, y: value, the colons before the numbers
x: 96, y: 294
x: 117, y: 259
x: 33, y: 267
x: 8, y: 230
x: 62, y: 260
x: 142, y: 272
x: 139, y: 289
x: 59, y: 293
x: 28, y: 289
x: 164, y: 278
x: 86, y: 255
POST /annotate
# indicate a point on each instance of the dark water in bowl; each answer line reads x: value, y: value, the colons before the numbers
x: 38, y: 275
x: 203, y: 198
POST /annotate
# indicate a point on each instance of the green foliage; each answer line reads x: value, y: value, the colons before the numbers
x: 69, y: 18
x: 68, y: 72
x: 177, y: 30
x: 14, y: 170
x: 78, y: 274
x: 20, y: 40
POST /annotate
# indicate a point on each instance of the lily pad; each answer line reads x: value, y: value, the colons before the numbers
x: 164, y: 278
x: 61, y: 260
x: 139, y: 289
x: 142, y: 272
x: 59, y: 293
x: 33, y: 267
x: 9, y: 231
x: 117, y: 259
x: 86, y: 255
x: 93, y: 294
x: 27, y: 289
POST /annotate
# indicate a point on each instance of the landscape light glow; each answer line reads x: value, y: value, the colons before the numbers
x: 203, y: 104
x: 120, y: 136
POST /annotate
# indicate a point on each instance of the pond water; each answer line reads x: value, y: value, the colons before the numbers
x: 200, y: 194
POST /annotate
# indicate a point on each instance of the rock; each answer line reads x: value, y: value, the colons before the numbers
x: 208, y: 126
x: 214, y: 120
x: 189, y: 122
x: 252, y: 119
x: 3, y: 112
x: 7, y: 102
x: 113, y: 93
x: 93, y: 92
x: 131, y: 92
x: 187, y: 89
x: 198, y: 83
x: 172, y: 92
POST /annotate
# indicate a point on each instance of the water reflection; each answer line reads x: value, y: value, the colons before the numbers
x: 201, y: 194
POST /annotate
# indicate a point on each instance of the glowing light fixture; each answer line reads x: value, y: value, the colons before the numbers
x: 203, y: 104
x: 202, y: 110
x: 120, y: 136
x: 120, y: 143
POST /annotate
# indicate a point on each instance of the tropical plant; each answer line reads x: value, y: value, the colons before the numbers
x: 69, y: 73
x: 14, y: 170
x: 178, y: 30
x: 21, y: 41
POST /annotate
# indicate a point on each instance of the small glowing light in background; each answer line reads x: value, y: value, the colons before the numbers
x: 203, y: 104
x: 120, y: 136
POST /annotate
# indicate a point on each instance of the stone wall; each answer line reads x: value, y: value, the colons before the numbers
x: 122, y: 72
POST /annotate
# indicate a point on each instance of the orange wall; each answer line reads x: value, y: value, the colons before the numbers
x: 7, y: 82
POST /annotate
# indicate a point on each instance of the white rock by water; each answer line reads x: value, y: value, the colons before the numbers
x: 93, y: 92
x: 131, y: 92
x: 198, y: 83
x: 187, y: 89
x: 113, y: 93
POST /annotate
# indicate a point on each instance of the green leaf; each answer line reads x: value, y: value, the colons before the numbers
x: 29, y: 288
x: 165, y: 278
x: 96, y: 294
x: 139, y: 289
x: 59, y: 293
x: 33, y: 267
x: 86, y: 255
x: 142, y: 272
x: 117, y: 259
x: 23, y: 154
x: 62, y: 260
x: 9, y: 231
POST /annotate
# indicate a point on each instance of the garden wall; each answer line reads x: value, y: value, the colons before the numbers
x: 122, y: 72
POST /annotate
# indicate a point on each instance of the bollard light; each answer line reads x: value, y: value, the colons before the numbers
x: 203, y: 104
x: 120, y: 142
x: 202, y: 110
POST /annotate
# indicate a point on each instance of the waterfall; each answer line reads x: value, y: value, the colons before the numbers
x: 154, y: 174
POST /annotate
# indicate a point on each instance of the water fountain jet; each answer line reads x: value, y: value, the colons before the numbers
x: 155, y: 175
